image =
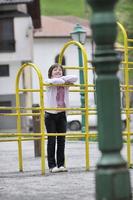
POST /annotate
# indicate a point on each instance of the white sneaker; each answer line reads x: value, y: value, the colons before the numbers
x: 54, y: 170
x: 62, y: 169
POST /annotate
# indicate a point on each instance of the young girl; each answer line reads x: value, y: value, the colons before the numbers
x: 55, y: 121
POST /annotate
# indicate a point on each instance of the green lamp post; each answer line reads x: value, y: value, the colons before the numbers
x: 112, y: 175
x: 79, y: 34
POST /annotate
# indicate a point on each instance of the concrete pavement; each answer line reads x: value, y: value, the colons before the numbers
x: 76, y: 184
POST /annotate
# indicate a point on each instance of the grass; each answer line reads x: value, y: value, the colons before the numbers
x: 67, y: 7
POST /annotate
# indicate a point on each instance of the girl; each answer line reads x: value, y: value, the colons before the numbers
x: 55, y: 121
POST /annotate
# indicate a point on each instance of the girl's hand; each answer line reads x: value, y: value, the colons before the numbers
x: 69, y: 78
x: 55, y: 81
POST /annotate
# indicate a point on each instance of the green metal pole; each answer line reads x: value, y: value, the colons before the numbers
x: 82, y: 95
x: 112, y: 175
x: 79, y: 34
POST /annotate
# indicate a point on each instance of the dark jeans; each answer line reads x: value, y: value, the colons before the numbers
x: 56, y: 123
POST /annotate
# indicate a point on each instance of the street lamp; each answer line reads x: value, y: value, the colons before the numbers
x: 79, y: 34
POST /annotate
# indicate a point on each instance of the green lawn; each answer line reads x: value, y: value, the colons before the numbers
x: 63, y: 7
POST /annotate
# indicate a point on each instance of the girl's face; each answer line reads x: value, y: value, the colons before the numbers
x: 57, y: 72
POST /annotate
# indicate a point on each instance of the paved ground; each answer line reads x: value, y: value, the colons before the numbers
x: 76, y: 184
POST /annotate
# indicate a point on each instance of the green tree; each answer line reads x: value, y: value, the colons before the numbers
x: 124, y: 12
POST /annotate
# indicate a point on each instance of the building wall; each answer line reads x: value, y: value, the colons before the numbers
x: 23, y: 41
x: 23, y: 33
x: 8, y: 82
x: 10, y: 122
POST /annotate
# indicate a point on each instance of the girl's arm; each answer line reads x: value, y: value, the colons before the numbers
x: 55, y: 81
x: 69, y: 78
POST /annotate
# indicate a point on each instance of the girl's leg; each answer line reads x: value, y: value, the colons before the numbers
x: 51, y: 128
x: 61, y: 128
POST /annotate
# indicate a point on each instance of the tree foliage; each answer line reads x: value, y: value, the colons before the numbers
x: 124, y: 11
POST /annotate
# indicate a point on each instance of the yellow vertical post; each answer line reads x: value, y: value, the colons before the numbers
x: 42, y: 126
x: 19, y: 131
x: 19, y: 121
x: 84, y: 54
x: 86, y: 110
x: 41, y: 115
x: 127, y: 99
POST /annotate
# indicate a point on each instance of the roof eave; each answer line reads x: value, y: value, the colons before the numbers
x: 15, y: 2
x: 49, y: 36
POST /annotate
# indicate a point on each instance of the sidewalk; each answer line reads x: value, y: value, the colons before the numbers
x: 76, y: 184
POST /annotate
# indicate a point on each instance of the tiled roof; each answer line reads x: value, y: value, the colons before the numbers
x: 60, y: 26
x: 2, y: 2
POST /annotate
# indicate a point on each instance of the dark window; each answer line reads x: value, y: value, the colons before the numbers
x: 63, y: 60
x: 4, y: 104
x: 4, y: 70
x: 7, y: 42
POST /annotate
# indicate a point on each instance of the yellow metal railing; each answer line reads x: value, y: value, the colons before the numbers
x: 86, y: 88
x: 19, y: 136
x: 127, y: 88
x: 40, y: 78
x: 85, y: 72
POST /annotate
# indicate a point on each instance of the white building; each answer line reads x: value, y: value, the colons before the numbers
x: 16, y: 40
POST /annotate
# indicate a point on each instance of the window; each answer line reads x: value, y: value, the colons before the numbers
x: 63, y: 60
x: 4, y: 70
x: 4, y: 104
x: 7, y: 42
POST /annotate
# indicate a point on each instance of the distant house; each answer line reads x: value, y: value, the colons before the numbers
x: 50, y: 39
x: 16, y: 41
x: 20, y: 42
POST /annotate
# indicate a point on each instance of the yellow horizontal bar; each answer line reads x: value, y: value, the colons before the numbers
x: 22, y: 139
x: 123, y: 62
x: 32, y: 108
x: 64, y: 109
x: 36, y: 114
x: 130, y: 47
x: 127, y: 134
x: 82, y: 91
x: 21, y: 114
x: 20, y: 108
x: 130, y: 40
x: 129, y: 86
x: 40, y: 134
x: 20, y: 134
x: 65, y: 85
x: 30, y: 139
x: 79, y: 67
x: 7, y: 108
x: 74, y: 67
x: 82, y: 112
x: 29, y: 90
x: 70, y: 135
x: 8, y: 114
x: 45, y: 109
x: 73, y: 85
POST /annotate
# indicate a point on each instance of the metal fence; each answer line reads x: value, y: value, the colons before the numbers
x: 89, y: 136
